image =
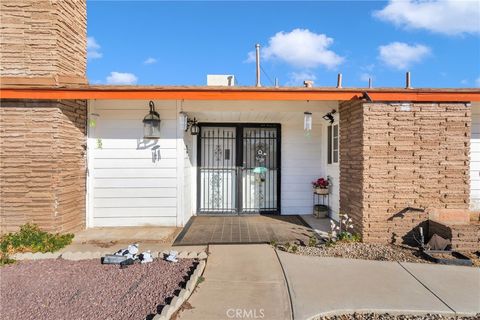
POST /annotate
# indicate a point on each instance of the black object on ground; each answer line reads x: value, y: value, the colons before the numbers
x: 113, y: 259
x: 447, y: 257
x: 127, y: 262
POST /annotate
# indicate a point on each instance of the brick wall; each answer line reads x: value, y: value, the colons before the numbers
x: 43, y: 42
x: 351, y: 166
x: 410, y: 159
x: 464, y: 237
x: 42, y: 162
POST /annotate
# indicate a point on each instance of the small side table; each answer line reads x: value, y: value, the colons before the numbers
x: 325, y: 200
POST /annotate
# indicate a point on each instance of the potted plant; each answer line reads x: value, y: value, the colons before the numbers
x: 320, y: 186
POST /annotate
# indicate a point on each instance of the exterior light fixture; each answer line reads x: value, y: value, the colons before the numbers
x: 151, y: 123
x: 307, y: 121
x: 329, y: 116
x: 194, y: 128
x: 187, y: 123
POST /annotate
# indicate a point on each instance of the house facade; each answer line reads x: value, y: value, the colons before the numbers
x: 75, y: 156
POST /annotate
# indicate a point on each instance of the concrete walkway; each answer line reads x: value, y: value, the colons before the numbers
x: 109, y: 240
x: 241, y: 282
x: 332, y: 285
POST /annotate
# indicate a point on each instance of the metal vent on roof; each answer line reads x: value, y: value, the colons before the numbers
x: 224, y: 80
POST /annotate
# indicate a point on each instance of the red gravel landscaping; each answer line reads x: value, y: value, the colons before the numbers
x: 62, y: 289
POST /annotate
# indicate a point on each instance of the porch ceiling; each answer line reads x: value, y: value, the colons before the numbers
x: 256, y: 111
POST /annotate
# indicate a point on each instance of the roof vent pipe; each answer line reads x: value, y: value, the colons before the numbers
x: 407, y: 81
x: 370, y: 82
x: 276, y: 83
x: 339, y: 80
x: 257, y: 55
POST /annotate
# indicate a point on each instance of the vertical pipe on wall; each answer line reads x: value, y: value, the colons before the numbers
x: 339, y: 81
x: 407, y: 81
x: 180, y: 163
x: 89, y: 199
x: 257, y: 56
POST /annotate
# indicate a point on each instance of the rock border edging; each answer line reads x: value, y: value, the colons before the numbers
x: 177, y: 301
x: 84, y: 255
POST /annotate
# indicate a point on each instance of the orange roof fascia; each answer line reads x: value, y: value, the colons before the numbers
x: 174, y: 94
x: 198, y: 94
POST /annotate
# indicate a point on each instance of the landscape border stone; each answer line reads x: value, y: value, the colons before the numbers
x: 36, y: 255
x: 183, y: 295
x: 202, y: 255
x: 84, y: 255
x: 393, y: 312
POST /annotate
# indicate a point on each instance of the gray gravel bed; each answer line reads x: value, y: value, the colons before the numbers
x: 386, y: 316
x: 359, y: 250
x: 63, y: 289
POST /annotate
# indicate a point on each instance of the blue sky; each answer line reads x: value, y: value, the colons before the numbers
x: 179, y: 43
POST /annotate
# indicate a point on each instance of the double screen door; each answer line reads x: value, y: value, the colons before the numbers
x: 238, y: 168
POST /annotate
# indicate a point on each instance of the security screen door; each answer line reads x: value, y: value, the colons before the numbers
x: 238, y: 168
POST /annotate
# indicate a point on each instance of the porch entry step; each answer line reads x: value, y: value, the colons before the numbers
x: 202, y: 230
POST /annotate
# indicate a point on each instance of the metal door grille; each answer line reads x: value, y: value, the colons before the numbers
x: 259, y: 170
x: 238, y: 168
x: 218, y: 183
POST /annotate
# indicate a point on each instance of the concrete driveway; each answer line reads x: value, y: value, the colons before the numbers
x: 334, y: 285
x: 252, y: 282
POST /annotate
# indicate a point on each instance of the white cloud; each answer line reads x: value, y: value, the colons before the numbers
x: 93, y: 49
x: 150, y: 61
x: 449, y: 17
x: 121, y: 78
x: 477, y: 82
x: 464, y: 81
x: 366, y: 76
x: 300, y: 48
x: 401, y: 55
x: 296, y: 78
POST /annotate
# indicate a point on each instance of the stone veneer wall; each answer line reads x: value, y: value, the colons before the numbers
x: 43, y: 164
x: 410, y: 159
x: 43, y: 42
x: 464, y: 237
x: 351, y: 164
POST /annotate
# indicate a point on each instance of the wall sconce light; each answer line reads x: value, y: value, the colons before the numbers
x: 307, y: 121
x: 151, y: 123
x: 329, y: 116
x: 187, y: 123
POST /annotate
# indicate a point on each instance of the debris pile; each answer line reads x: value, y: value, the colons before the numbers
x: 130, y: 255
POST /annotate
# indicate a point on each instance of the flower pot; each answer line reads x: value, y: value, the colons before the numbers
x: 320, y: 211
x: 321, y: 190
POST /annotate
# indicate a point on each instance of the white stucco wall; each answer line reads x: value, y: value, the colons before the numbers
x: 133, y: 182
